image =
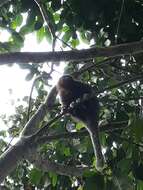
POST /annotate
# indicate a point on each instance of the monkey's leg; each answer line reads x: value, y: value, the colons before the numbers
x: 92, y: 128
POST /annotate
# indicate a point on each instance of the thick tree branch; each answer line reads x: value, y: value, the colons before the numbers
x: 77, y: 55
x: 46, y: 165
x: 27, y: 145
x: 14, y: 154
x: 10, y: 158
x: 32, y: 125
x: 103, y: 128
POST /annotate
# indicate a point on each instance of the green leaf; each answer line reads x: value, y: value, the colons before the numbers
x: 17, y: 38
x: 83, y: 38
x: 54, y: 178
x: 80, y: 188
x: 67, y: 36
x: 79, y: 125
x: 89, y: 173
x: 25, y: 30
x: 40, y: 34
x: 74, y: 43
x: 125, y: 165
x: 56, y: 17
x: 2, y: 144
x: 65, y: 28
x: 103, y: 139
x: 95, y: 182
x: 137, y: 128
x: 67, y: 151
x: 140, y: 185
x: 17, y: 22
x: 3, y: 133
x: 35, y: 176
x: 48, y: 35
x: 29, y: 76
x: 112, y: 81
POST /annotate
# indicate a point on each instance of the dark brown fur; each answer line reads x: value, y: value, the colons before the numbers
x: 87, y: 111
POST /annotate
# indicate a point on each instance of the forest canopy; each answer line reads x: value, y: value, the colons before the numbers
x: 101, y: 44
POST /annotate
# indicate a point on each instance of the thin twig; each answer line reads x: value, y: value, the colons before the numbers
x: 90, y: 66
x: 49, y: 24
x: 127, y: 140
x: 119, y: 21
x: 30, y: 98
x: 133, y: 79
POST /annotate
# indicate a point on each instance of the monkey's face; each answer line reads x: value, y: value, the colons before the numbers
x: 65, y: 81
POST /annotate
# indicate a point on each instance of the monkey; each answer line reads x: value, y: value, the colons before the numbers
x: 86, y: 111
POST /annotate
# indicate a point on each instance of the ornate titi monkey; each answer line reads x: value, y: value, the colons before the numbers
x: 86, y: 111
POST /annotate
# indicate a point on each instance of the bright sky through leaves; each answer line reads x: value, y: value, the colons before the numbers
x: 13, y: 84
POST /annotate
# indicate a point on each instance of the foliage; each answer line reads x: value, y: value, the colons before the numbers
x: 99, y: 23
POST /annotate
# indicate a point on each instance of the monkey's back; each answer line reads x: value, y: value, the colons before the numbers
x: 87, y: 111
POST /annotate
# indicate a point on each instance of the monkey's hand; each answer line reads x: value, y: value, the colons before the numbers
x: 75, y: 103
x: 85, y: 97
x: 64, y: 109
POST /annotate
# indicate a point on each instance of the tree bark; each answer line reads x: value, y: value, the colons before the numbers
x: 72, y: 55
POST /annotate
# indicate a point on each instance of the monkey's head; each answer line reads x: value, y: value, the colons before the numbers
x: 65, y: 81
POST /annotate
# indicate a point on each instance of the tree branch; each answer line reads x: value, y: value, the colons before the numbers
x: 130, y: 80
x: 3, y: 2
x: 10, y: 158
x: 46, y: 165
x: 32, y: 125
x: 26, y: 146
x: 103, y: 128
x: 72, y: 55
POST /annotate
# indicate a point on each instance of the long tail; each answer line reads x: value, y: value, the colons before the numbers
x: 93, y: 130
